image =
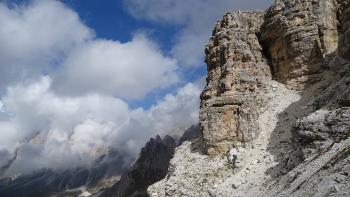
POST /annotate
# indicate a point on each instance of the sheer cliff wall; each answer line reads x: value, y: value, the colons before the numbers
x: 291, y: 43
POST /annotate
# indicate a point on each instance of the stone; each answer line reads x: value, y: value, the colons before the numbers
x: 190, y: 174
x: 151, y: 166
x: 232, y: 156
x: 237, y: 70
x: 321, y: 129
x: 297, y: 35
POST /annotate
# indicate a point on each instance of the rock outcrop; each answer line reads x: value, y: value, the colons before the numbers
x: 298, y: 39
x: 278, y: 99
x: 237, y: 73
x: 194, y: 174
x: 297, y: 36
x: 151, y: 166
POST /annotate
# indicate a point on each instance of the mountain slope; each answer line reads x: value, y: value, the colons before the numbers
x: 275, y: 111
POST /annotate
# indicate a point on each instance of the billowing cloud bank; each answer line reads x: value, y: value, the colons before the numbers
x: 127, y: 70
x: 34, y: 38
x: 64, y: 94
x: 74, y: 131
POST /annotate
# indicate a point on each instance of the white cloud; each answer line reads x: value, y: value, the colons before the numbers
x: 8, y: 136
x: 34, y: 109
x: 72, y: 131
x: 61, y: 90
x: 196, y: 17
x: 127, y: 70
x: 5, y: 157
x: 35, y: 36
x: 46, y: 37
x: 35, y: 106
x: 177, y: 111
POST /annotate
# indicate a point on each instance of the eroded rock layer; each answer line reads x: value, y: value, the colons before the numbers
x: 298, y: 34
x: 237, y: 71
x: 294, y: 42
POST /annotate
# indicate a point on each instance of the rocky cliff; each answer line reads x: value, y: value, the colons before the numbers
x: 150, y: 167
x: 237, y: 72
x: 275, y: 113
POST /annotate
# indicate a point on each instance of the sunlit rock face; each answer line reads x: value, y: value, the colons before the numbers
x: 237, y: 72
x: 293, y: 43
x: 298, y: 35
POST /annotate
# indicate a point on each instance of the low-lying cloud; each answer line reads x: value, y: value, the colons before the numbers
x: 55, y: 131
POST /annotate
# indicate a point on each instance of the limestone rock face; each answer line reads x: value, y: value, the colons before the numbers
x: 293, y: 42
x: 237, y: 71
x: 297, y: 36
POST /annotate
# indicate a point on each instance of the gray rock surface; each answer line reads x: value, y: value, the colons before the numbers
x: 194, y: 174
x: 324, y: 171
x: 151, y: 166
x: 298, y: 34
x: 237, y: 73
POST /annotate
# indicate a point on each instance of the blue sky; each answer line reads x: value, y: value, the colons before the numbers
x: 88, y: 75
x: 111, y: 20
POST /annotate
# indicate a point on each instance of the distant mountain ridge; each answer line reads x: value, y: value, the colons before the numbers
x: 108, y: 177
